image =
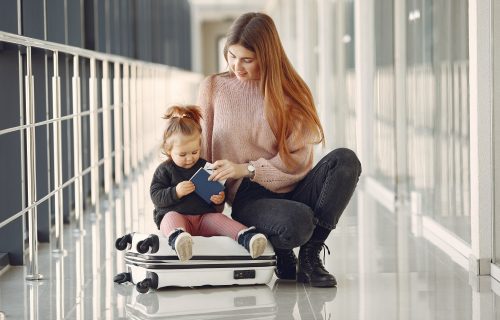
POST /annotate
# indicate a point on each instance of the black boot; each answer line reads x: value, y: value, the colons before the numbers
x: 311, y: 269
x: 286, y: 264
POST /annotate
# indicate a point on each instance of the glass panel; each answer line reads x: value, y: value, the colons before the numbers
x: 348, y: 40
x: 384, y: 125
x: 438, y: 111
x: 342, y: 110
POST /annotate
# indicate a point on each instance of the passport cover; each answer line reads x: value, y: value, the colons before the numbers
x: 204, y: 188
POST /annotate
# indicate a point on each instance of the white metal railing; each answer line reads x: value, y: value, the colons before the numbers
x: 132, y: 93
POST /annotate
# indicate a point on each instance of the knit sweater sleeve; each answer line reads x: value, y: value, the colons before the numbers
x: 274, y: 175
x: 207, y: 110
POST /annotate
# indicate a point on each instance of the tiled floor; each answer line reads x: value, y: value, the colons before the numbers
x: 384, y: 272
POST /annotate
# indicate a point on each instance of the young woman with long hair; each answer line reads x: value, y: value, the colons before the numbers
x: 259, y: 131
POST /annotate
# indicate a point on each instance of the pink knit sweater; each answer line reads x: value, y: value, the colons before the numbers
x: 235, y: 128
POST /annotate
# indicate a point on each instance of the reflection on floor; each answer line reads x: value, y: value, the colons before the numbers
x: 384, y: 272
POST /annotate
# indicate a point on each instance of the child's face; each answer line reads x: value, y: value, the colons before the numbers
x: 185, y: 152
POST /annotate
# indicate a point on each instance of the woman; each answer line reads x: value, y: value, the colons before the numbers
x: 260, y: 125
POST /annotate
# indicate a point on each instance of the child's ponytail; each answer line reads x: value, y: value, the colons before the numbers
x: 181, y: 112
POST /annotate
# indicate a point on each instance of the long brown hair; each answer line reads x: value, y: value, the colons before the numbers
x: 181, y: 120
x: 257, y: 33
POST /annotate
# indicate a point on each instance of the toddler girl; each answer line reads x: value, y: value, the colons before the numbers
x: 179, y: 212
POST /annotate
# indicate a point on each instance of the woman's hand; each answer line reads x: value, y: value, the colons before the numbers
x: 218, y: 198
x: 184, y: 188
x: 225, y: 169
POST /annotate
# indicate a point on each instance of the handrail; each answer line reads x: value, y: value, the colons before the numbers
x: 63, y: 48
x: 45, y: 122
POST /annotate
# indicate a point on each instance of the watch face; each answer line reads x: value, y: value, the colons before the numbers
x: 251, y: 168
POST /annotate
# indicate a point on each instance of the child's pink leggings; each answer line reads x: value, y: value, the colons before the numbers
x: 206, y: 225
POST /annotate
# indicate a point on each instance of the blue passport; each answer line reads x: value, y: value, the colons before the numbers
x: 205, y: 188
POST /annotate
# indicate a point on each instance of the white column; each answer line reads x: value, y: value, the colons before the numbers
x: 364, y: 60
x: 403, y: 220
x: 365, y: 64
x: 400, y: 91
x: 496, y: 130
x: 481, y: 169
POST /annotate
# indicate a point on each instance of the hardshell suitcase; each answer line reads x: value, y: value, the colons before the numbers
x: 151, y: 263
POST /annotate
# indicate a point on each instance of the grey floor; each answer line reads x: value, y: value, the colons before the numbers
x: 383, y: 271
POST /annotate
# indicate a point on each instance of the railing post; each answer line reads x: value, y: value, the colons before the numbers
x: 94, y: 136
x: 77, y: 144
x: 141, y: 89
x: 117, y: 97
x: 133, y: 115
x: 32, y: 273
x: 126, y: 119
x: 106, y: 119
x: 56, y: 133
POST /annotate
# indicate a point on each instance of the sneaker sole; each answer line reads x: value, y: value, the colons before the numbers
x: 184, y: 247
x: 257, y: 246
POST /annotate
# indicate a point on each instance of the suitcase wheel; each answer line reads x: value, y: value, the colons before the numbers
x: 152, y: 242
x: 123, y: 242
x: 151, y: 282
x: 122, y: 277
x: 143, y: 286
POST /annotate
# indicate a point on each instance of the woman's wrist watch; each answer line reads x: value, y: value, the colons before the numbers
x: 251, y: 171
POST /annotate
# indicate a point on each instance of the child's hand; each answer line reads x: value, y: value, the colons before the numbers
x: 218, y: 198
x: 184, y: 188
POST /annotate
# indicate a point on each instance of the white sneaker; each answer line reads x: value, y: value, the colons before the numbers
x: 184, y: 246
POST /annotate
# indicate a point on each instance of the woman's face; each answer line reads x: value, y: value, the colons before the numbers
x: 243, y: 63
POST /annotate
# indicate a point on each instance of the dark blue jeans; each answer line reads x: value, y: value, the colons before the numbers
x: 289, y: 219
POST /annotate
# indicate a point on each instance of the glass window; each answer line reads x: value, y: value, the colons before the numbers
x: 384, y: 125
x: 438, y: 110
x: 348, y: 48
x: 343, y: 74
